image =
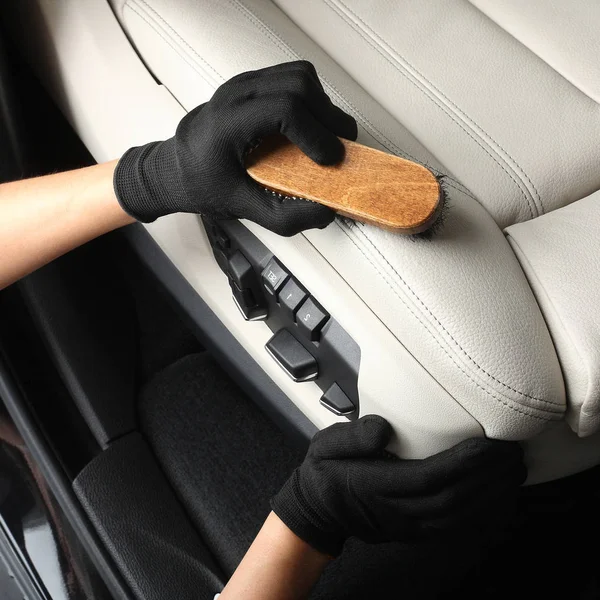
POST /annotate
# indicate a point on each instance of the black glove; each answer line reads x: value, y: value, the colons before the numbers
x: 201, y: 169
x: 348, y: 485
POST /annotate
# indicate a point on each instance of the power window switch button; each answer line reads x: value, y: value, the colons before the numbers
x: 292, y: 356
x: 274, y: 277
x: 310, y: 319
x: 335, y: 400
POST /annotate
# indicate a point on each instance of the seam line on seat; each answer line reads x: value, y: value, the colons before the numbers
x: 348, y: 229
x: 360, y: 228
x: 529, y: 197
x: 294, y: 55
x: 367, y: 125
x: 169, y: 41
x: 188, y: 48
x: 535, y: 196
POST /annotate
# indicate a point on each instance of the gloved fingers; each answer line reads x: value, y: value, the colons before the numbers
x: 288, y: 115
x: 312, y: 137
x: 272, y: 73
x: 470, y: 463
x: 487, y: 505
x: 303, y: 82
x: 362, y: 438
x: 309, y: 68
x: 187, y: 122
x: 485, y: 449
x: 447, y: 500
x: 490, y: 511
x: 476, y: 457
x: 333, y: 117
x: 285, y: 217
x: 394, y: 498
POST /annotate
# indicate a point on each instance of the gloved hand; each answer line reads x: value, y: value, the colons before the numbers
x: 348, y: 485
x: 201, y: 169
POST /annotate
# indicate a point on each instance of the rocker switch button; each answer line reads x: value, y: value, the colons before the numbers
x: 246, y: 302
x: 310, y: 319
x: 240, y: 271
x: 274, y: 277
x: 292, y: 356
x: 336, y: 401
x: 291, y: 297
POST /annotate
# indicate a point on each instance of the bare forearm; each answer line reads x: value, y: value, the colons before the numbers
x: 45, y: 217
x: 278, y: 566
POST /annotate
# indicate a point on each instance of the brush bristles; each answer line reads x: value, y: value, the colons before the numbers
x: 438, y: 224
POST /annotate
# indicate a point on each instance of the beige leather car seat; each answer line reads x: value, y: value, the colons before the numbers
x: 491, y: 327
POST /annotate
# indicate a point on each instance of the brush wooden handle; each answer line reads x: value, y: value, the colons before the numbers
x: 368, y: 185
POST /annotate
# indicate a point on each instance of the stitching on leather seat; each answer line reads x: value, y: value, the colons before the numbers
x: 555, y: 415
x: 294, y: 55
x: 367, y: 125
x: 535, y: 196
x: 538, y: 288
x: 392, y: 146
x: 521, y: 185
x: 183, y: 45
x: 360, y: 229
x: 169, y: 41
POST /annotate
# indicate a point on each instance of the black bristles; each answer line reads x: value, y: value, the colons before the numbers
x: 438, y: 224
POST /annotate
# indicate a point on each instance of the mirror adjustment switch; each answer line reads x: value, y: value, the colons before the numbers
x: 310, y: 319
x: 292, y: 356
x: 274, y: 277
x: 336, y: 401
x: 240, y: 271
x: 291, y: 297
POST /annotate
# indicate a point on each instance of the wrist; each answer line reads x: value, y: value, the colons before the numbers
x: 279, y: 565
x: 147, y: 184
x: 95, y: 202
x: 293, y: 545
x: 299, y: 515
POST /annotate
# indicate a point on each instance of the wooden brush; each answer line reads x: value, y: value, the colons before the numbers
x: 368, y: 185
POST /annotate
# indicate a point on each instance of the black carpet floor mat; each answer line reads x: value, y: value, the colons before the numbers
x: 225, y: 459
